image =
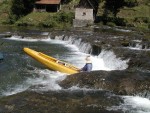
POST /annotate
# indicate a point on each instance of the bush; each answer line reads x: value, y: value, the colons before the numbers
x: 148, y: 26
x: 11, y: 19
x: 111, y: 24
x: 130, y: 3
x: 142, y: 19
x: 114, y: 21
x: 48, y: 23
x: 60, y: 19
x: 120, y: 21
x: 21, y: 7
x: 64, y: 17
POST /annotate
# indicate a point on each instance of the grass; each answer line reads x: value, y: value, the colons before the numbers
x: 45, y: 19
x: 34, y: 18
x: 138, y: 11
x: 4, y: 11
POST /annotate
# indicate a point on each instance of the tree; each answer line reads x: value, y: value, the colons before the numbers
x: 20, y: 8
x: 114, y: 5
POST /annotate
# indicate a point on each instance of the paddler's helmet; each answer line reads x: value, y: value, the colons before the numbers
x: 88, y: 59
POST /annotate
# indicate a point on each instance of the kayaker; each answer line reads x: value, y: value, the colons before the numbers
x: 88, y: 66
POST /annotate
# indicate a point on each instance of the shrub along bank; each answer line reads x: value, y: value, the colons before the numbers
x: 131, y: 13
x: 44, y: 19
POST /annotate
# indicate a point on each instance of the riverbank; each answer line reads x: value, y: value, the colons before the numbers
x: 137, y: 16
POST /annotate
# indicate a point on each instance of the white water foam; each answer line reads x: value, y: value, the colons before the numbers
x: 42, y: 79
x: 14, y: 90
x: 98, y: 63
x: 133, y: 104
x: 47, y: 80
x: 123, y: 30
x: 111, y: 62
x: 138, y: 47
x: 105, y: 61
x: 27, y: 39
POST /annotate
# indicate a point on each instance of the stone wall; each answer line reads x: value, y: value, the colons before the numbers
x: 82, y: 23
x: 84, y: 14
x: 83, y: 17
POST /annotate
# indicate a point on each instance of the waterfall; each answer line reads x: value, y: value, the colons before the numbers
x: 139, y: 45
x: 84, y: 47
x: 110, y: 61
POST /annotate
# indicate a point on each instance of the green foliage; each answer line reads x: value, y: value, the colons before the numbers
x: 49, y: 23
x: 45, y: 19
x: 130, y: 3
x: 32, y: 19
x: 133, y: 13
x: 5, y: 6
x: 111, y: 24
x: 64, y: 17
x: 11, y: 19
x: 58, y: 20
x: 142, y: 19
x: 148, y: 26
x: 4, y: 11
x: 114, y: 21
x: 113, y: 5
x: 21, y: 7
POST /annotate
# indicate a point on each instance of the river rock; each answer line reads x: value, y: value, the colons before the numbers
x: 60, y: 102
x: 120, y: 82
x: 138, y: 60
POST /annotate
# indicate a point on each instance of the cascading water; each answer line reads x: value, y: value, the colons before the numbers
x: 99, y: 62
x: 36, y: 77
x: 107, y: 60
x: 112, y: 62
x: 139, y: 45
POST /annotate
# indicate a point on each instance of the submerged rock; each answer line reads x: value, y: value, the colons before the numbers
x: 1, y: 56
x: 64, y: 101
x: 120, y: 82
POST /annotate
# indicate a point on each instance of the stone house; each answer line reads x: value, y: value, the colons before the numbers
x: 85, y: 13
x: 47, y: 5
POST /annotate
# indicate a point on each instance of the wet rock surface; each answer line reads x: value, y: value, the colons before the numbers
x: 60, y: 102
x: 138, y: 60
x: 119, y: 82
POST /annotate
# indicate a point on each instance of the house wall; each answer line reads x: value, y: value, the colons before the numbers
x: 82, y: 23
x: 84, y: 14
x: 46, y: 7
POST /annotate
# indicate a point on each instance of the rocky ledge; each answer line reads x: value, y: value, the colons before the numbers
x: 60, y: 102
x: 119, y: 82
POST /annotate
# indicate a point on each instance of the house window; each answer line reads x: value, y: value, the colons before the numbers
x: 84, y: 13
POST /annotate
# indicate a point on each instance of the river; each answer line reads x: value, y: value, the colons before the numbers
x: 19, y: 72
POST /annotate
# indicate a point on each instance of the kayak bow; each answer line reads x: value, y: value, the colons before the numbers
x: 52, y: 63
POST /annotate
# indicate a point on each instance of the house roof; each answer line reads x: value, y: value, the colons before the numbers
x: 88, y: 4
x: 48, y: 2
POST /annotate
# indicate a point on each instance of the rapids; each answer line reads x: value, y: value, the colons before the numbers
x: 19, y: 72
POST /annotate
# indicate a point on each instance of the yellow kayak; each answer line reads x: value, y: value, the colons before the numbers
x: 51, y: 62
